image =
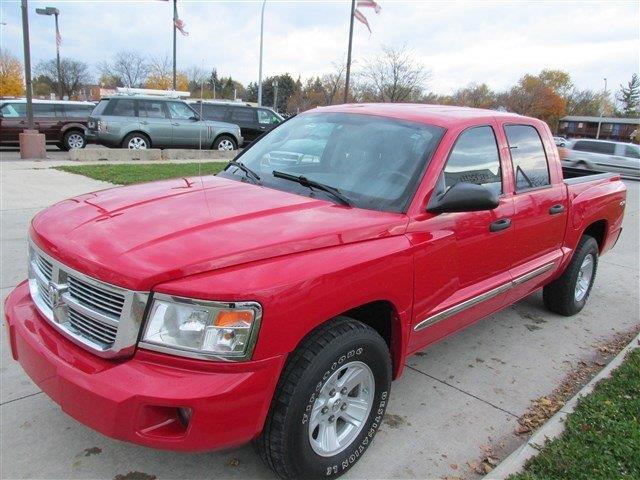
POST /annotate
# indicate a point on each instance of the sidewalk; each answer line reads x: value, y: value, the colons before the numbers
x: 454, y: 397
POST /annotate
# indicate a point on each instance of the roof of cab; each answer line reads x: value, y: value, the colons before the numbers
x: 440, y: 115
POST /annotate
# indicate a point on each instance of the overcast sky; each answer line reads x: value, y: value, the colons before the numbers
x: 459, y: 43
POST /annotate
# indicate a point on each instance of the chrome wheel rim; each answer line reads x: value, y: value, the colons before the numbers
x: 341, y: 409
x: 75, y: 140
x: 225, y: 145
x: 137, y: 143
x: 584, y: 277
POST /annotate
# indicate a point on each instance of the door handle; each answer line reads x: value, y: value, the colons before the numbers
x: 175, y: 124
x: 500, y: 224
x: 556, y: 209
x: 262, y: 127
x: 144, y: 122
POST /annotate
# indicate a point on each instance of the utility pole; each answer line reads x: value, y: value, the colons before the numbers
x: 275, y: 94
x: 175, y: 19
x: 27, y: 63
x: 55, y: 12
x: 346, y: 80
x: 604, y: 96
x: 264, y: 3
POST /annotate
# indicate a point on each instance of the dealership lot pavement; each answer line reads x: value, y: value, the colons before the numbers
x: 454, y: 397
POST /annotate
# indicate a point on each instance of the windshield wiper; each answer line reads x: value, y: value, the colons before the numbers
x: 305, y: 182
x: 247, y: 171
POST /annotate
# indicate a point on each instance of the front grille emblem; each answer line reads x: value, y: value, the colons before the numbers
x: 58, y: 306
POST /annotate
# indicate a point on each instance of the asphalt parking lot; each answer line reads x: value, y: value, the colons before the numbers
x: 466, y: 392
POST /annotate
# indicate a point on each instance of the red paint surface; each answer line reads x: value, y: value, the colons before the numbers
x: 305, y: 260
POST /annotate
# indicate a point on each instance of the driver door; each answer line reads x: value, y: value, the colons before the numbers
x: 462, y: 259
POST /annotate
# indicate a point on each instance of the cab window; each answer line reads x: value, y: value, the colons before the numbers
x: 529, y: 159
x: 475, y: 159
x: 631, y: 151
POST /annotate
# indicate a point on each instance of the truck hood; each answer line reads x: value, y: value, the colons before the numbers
x: 139, y: 236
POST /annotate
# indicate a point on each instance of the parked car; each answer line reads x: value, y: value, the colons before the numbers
x: 253, y: 121
x: 145, y: 121
x: 603, y: 156
x: 276, y: 301
x: 560, y: 141
x: 62, y: 122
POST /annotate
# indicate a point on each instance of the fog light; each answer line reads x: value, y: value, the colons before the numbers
x: 184, y: 415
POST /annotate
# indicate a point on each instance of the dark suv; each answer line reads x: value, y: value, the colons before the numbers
x: 253, y: 121
x: 63, y: 123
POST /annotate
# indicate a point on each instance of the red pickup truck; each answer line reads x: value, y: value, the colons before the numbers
x: 276, y: 301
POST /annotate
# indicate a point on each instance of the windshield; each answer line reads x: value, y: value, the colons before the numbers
x: 375, y: 162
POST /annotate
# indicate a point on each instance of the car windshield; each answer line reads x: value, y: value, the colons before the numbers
x: 375, y: 162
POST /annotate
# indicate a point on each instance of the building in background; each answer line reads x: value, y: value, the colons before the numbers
x: 611, y: 128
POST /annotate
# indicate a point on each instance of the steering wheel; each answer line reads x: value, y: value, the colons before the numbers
x: 390, y: 173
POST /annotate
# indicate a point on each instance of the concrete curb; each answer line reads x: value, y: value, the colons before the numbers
x: 150, y: 154
x: 554, y: 427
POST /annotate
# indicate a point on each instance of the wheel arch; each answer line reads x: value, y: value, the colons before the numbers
x: 597, y: 230
x: 139, y: 132
x: 225, y: 134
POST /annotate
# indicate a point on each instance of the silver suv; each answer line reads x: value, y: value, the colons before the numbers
x: 145, y: 121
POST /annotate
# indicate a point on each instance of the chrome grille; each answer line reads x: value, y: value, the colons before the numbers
x: 100, y: 317
x: 104, y: 301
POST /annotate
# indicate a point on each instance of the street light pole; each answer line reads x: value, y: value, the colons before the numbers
x: 275, y: 94
x: 27, y: 63
x: 604, y: 95
x: 264, y: 3
x: 55, y: 12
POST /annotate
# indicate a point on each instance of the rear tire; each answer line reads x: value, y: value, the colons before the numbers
x: 225, y: 143
x: 308, y: 432
x: 73, y: 140
x: 568, y: 294
x: 136, y: 141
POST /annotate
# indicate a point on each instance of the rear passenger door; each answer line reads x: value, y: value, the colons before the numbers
x: 155, y: 122
x: 540, y: 208
x: 48, y: 120
x: 247, y: 120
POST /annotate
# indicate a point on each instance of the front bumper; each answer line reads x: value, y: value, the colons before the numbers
x: 137, y: 400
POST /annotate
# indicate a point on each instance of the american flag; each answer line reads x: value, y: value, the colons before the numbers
x: 358, y: 15
x: 177, y: 22
x: 58, y: 37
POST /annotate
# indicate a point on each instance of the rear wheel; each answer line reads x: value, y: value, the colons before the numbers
x: 225, y: 142
x: 73, y: 139
x: 568, y: 294
x: 136, y: 141
x: 329, y: 402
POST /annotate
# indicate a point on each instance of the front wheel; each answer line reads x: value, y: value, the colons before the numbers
x: 568, y: 294
x: 329, y: 402
x: 225, y: 142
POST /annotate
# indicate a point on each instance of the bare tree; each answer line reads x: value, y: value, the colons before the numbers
x: 160, y: 66
x: 73, y: 74
x: 130, y: 68
x: 333, y: 83
x: 395, y: 76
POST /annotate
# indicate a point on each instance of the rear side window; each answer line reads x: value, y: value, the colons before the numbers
x: 246, y: 115
x: 595, y: 147
x: 44, y: 110
x: 14, y: 110
x: 528, y: 157
x: 475, y: 159
x: 77, y: 111
x: 265, y: 117
x: 631, y: 151
x: 151, y: 109
x: 123, y: 107
x: 213, y: 112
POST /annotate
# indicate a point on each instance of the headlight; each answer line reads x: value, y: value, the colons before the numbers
x: 202, y: 329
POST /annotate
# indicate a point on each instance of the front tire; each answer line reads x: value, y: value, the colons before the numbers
x: 568, y: 294
x: 73, y: 140
x: 225, y: 143
x: 329, y: 402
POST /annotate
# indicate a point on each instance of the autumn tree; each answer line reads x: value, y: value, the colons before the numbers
x: 130, y: 68
x: 160, y: 75
x: 74, y: 74
x: 589, y: 103
x: 629, y: 97
x: 11, y: 79
x: 394, y: 76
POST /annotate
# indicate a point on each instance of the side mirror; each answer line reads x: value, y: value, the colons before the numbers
x: 194, y: 118
x: 464, y: 197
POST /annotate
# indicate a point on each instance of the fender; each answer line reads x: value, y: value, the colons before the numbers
x: 72, y: 125
x: 299, y: 292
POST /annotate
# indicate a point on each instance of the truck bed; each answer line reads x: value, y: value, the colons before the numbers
x: 573, y: 176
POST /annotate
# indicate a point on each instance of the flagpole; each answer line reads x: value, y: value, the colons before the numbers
x: 175, y: 18
x: 346, y: 81
x: 264, y: 3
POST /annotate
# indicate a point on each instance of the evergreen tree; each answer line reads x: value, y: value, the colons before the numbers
x: 629, y: 97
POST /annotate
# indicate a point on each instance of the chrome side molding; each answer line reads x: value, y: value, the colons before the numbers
x: 438, y: 317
